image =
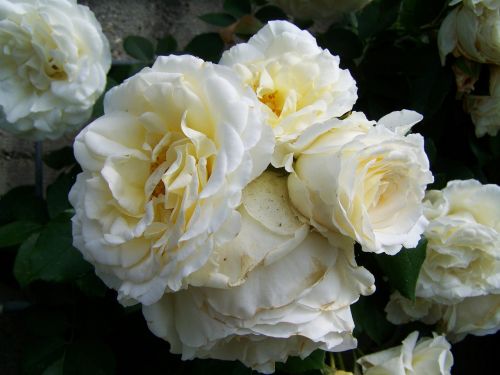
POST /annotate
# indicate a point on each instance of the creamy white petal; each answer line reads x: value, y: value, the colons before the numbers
x: 298, y: 83
x: 163, y: 173
x: 366, y: 182
x: 274, y: 291
x: 425, y: 356
x: 472, y: 30
x: 477, y: 316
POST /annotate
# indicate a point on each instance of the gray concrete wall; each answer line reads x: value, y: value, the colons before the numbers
x: 119, y: 18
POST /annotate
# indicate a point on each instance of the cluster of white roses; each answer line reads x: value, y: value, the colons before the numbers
x: 53, y: 64
x: 226, y: 198
x: 472, y: 30
x: 176, y: 210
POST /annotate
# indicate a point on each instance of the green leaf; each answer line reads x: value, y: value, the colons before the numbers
x: 22, y: 265
x: 21, y: 203
x: 403, y: 268
x: 57, y: 194
x: 86, y: 357
x: 207, y: 46
x: 60, y: 158
x: 51, y: 256
x: 166, y: 46
x: 237, y: 8
x: 218, y: 19
x: 295, y: 365
x: 270, y: 13
x: 139, y: 48
x: 16, y: 232
x: 369, y: 317
x: 40, y: 354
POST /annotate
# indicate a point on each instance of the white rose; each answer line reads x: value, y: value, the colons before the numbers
x: 366, y: 182
x: 163, y: 172
x: 296, y: 297
x: 53, y: 65
x: 463, y: 249
x: 477, y: 316
x: 314, y: 9
x: 459, y: 282
x: 425, y: 357
x: 401, y: 310
x: 472, y: 30
x: 485, y: 110
x: 299, y: 83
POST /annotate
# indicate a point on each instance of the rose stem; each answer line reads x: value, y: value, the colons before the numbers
x: 38, y: 170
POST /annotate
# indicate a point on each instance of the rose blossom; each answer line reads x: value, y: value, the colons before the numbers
x: 477, y: 316
x: 485, y: 110
x: 53, y: 65
x: 423, y: 357
x: 363, y: 180
x: 299, y: 82
x: 472, y: 30
x: 163, y: 172
x: 295, y: 297
x: 463, y: 248
x: 459, y: 282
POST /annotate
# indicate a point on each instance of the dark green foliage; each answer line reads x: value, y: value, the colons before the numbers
x: 139, y: 48
x: 295, y: 365
x: 207, y: 46
x: 237, y: 8
x: 218, y: 19
x: 50, y: 255
x: 403, y: 268
x: 16, y: 232
x: 166, y: 45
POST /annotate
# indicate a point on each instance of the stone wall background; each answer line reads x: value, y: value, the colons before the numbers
x: 119, y: 18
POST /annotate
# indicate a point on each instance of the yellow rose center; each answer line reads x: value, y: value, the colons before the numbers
x: 55, y: 71
x: 272, y: 102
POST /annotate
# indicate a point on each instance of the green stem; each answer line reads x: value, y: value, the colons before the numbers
x: 332, y: 360
x: 340, y: 361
